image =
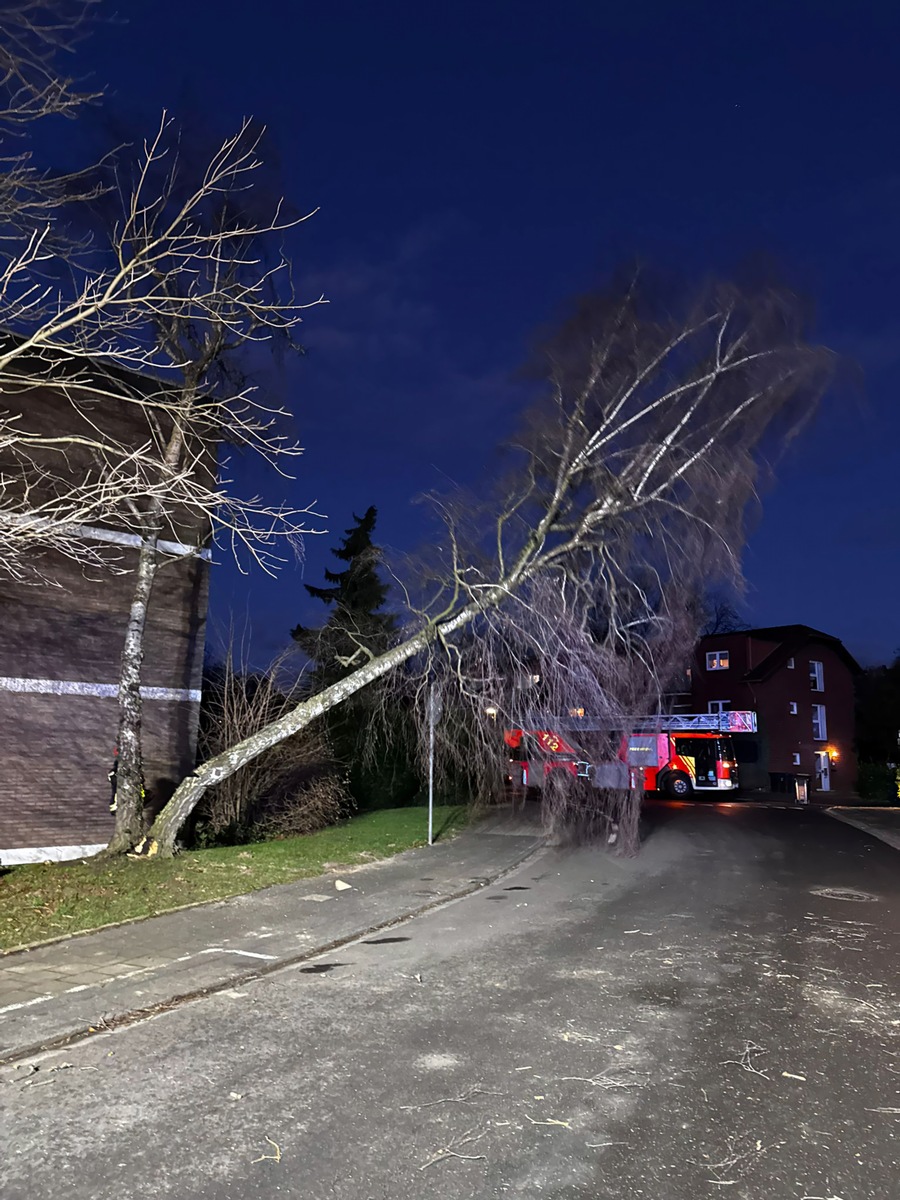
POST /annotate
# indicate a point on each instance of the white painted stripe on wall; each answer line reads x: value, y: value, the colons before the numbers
x: 71, y: 687
x: 117, y: 537
x: 39, y: 854
x: 120, y: 538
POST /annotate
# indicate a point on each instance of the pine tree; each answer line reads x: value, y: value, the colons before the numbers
x: 357, y: 596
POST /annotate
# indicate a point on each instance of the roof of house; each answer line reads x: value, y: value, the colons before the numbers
x: 790, y: 639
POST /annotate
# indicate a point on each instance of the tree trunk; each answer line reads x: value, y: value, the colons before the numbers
x: 130, y: 767
x: 165, y: 829
x: 169, y: 822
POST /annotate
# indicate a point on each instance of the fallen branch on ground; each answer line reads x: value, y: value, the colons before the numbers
x: 450, y: 1152
x: 463, y: 1099
x: 745, y: 1062
x: 276, y: 1157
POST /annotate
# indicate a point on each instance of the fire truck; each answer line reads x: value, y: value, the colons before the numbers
x: 677, y: 754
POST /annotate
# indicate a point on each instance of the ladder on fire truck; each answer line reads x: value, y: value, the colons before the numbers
x: 735, y: 721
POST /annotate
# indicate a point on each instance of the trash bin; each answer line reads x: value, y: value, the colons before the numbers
x: 801, y: 788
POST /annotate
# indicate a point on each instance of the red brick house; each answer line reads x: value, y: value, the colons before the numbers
x: 800, y: 682
x: 60, y: 646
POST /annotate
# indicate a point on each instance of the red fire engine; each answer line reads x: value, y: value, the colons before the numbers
x: 677, y: 754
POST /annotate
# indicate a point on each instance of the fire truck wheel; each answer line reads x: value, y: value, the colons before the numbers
x: 678, y: 785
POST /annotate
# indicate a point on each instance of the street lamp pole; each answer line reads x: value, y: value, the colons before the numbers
x: 435, y: 708
x: 431, y: 765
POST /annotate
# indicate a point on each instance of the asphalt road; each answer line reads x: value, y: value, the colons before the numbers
x: 719, y: 1017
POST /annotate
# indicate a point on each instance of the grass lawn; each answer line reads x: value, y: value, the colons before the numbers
x: 52, y: 899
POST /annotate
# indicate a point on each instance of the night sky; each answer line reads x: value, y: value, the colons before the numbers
x: 475, y: 164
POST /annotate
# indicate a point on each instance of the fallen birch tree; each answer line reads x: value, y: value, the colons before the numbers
x: 643, y: 451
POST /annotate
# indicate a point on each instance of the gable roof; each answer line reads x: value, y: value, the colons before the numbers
x: 790, y: 639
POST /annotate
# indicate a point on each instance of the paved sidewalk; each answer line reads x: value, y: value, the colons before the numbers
x: 71, y: 987
x: 880, y: 821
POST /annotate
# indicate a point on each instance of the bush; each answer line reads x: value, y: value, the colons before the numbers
x: 320, y: 802
x: 293, y: 788
x: 877, y: 783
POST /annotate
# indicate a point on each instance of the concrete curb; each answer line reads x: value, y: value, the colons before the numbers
x: 240, y: 978
x: 890, y: 837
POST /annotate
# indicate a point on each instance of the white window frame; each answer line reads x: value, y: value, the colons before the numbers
x: 816, y: 675
x: 718, y: 706
x: 718, y: 660
x: 790, y: 664
x: 819, y: 719
x: 792, y: 707
x: 795, y: 759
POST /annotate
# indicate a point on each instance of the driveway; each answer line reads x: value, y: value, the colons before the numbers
x: 719, y: 1017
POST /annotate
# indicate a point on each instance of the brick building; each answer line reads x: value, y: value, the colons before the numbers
x: 60, y: 645
x: 800, y: 682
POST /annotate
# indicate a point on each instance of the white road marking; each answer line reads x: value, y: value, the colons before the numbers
x: 24, y: 1004
x: 245, y: 953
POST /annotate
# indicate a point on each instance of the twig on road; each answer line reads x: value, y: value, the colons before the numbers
x: 463, y: 1099
x: 603, y: 1080
x: 65, y: 1066
x: 450, y: 1151
x: 745, y: 1062
x: 735, y: 1158
x: 276, y: 1157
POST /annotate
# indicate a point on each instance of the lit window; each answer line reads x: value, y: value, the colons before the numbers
x: 790, y: 664
x: 793, y: 708
x: 816, y: 677
x: 717, y: 660
x: 718, y: 706
x: 796, y: 760
x: 820, y: 729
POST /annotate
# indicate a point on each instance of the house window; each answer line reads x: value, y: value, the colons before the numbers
x: 792, y: 706
x: 795, y: 759
x: 717, y: 660
x: 816, y: 676
x: 790, y: 664
x: 718, y: 706
x: 820, y: 729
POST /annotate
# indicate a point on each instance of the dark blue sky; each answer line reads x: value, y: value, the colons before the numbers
x: 474, y: 164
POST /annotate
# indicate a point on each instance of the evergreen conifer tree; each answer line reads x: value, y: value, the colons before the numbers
x: 356, y: 596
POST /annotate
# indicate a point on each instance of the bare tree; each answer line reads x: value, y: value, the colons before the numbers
x: 34, y: 35
x: 639, y: 458
x: 191, y: 278
x: 720, y: 616
x: 139, y: 333
x: 212, y: 300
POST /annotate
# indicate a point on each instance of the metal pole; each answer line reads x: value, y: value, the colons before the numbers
x: 431, y: 766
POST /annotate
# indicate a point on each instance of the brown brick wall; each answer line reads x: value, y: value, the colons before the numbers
x: 75, y: 630
x: 56, y: 750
